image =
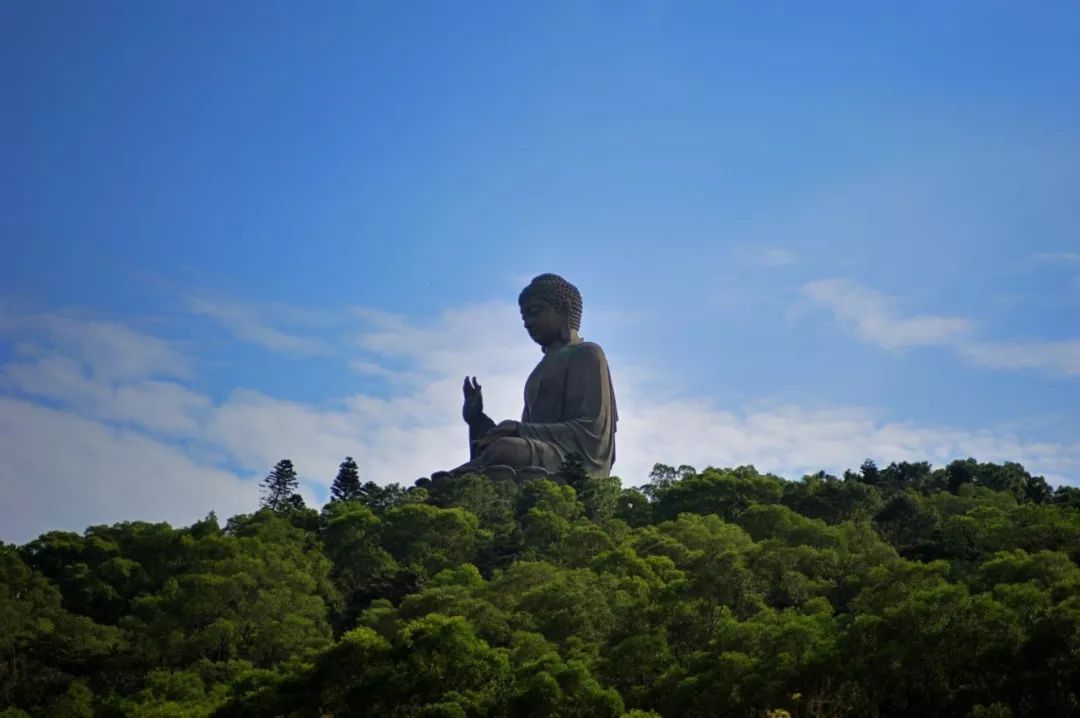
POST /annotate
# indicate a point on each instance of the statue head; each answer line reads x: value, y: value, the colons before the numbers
x: 551, y: 309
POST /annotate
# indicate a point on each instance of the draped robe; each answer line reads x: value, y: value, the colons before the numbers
x: 569, y: 408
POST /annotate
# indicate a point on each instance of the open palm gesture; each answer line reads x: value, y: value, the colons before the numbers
x: 473, y: 408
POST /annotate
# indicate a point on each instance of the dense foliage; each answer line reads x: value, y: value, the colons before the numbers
x: 894, y: 591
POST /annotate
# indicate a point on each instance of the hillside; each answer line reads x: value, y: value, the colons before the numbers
x: 893, y: 591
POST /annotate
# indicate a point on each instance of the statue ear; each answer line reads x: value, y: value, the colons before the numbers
x: 564, y: 329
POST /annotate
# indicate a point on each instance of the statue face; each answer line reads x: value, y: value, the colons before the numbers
x: 542, y: 321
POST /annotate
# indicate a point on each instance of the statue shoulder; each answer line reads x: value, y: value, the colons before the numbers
x: 590, y: 351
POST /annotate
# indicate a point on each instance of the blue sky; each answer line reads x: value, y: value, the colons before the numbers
x: 805, y: 236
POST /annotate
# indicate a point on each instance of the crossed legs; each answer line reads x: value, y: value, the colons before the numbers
x: 515, y: 452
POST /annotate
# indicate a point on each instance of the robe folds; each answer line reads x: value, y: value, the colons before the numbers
x: 570, y: 408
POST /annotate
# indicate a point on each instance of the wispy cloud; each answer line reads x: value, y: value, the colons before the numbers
x: 264, y: 325
x: 104, y: 370
x: 65, y: 472
x: 158, y: 406
x: 371, y: 368
x: 874, y: 318
x: 772, y: 256
x: 108, y: 350
x: 792, y: 440
x: 1062, y: 357
x: 145, y: 448
x: 417, y: 428
x: 1067, y: 258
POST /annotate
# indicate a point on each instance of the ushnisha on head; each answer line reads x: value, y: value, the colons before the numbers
x: 551, y: 310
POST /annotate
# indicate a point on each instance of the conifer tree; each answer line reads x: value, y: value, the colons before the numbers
x: 280, y: 486
x: 573, y: 472
x: 346, y: 486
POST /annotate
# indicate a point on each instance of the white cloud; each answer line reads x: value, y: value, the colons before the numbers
x: 414, y: 431
x: 874, y: 318
x: 103, y: 370
x: 261, y: 325
x: 65, y: 472
x: 417, y: 428
x: 371, y: 368
x: 787, y: 439
x: 161, y: 406
x: 110, y: 351
x: 392, y: 440
x: 792, y: 440
x: 458, y: 342
x: 1062, y: 357
x: 71, y: 466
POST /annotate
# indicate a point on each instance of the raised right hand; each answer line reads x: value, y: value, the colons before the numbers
x: 473, y: 407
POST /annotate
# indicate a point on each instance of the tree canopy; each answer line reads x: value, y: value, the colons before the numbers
x: 887, y: 591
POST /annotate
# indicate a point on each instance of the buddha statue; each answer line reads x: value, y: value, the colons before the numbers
x: 569, y: 401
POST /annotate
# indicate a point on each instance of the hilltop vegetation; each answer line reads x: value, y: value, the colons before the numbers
x: 894, y: 591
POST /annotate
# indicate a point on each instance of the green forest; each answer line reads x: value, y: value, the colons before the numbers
x: 904, y: 590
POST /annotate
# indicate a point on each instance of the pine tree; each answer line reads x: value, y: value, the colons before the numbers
x: 280, y: 486
x: 573, y: 472
x: 346, y: 486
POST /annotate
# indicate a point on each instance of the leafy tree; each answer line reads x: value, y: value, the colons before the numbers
x: 633, y: 507
x: 381, y: 499
x: 826, y: 497
x: 1037, y: 490
x: 664, y: 476
x: 43, y: 647
x: 725, y: 492
x: 960, y: 472
x: 76, y: 702
x: 362, y: 568
x: 1067, y: 496
x: 907, y: 522
x: 546, y: 495
x: 899, y: 476
x: 260, y: 593
x: 897, y: 591
x: 598, y: 496
x: 426, y: 539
